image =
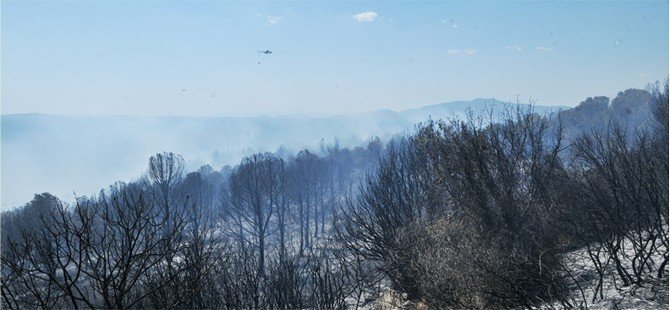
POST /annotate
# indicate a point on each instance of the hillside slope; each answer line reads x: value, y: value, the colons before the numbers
x: 59, y: 154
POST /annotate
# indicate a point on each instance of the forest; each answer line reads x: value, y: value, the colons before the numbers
x: 483, y: 212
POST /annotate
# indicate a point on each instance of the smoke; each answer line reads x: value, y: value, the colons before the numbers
x: 64, y: 155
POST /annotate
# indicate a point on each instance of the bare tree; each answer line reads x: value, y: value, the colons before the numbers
x: 488, y: 188
x: 103, y: 253
x: 253, y: 197
x: 165, y: 170
x: 309, y: 177
x: 624, y: 190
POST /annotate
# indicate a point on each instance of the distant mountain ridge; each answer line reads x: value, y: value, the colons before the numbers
x: 59, y: 154
x: 477, y: 106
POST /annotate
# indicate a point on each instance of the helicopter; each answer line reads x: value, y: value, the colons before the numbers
x: 266, y: 52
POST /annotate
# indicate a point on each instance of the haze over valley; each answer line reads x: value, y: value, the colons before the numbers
x: 65, y: 155
x: 382, y: 155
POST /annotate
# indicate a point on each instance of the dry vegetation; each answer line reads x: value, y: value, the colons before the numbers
x: 482, y: 213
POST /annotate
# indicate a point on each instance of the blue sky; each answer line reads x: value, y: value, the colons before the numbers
x: 199, y: 57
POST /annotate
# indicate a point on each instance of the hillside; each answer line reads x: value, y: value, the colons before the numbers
x: 61, y: 154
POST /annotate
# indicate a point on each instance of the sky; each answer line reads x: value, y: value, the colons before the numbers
x: 200, y: 58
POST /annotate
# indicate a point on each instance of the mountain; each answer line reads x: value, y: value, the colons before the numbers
x: 61, y: 154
